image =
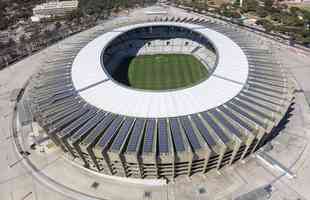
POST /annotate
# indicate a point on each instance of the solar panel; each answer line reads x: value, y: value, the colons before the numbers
x: 236, y: 118
x: 245, y: 106
x: 217, y: 129
x: 266, y: 68
x: 77, y: 123
x: 56, y: 90
x: 163, y: 136
x: 54, y: 80
x: 244, y: 98
x: 62, y: 95
x: 135, y: 135
x: 176, y: 134
x: 110, y: 132
x: 59, y: 109
x: 54, y: 83
x: 122, y: 134
x: 245, y: 114
x: 49, y: 100
x: 57, y: 70
x: 264, y: 74
x: 260, y: 98
x: 149, y: 135
x: 44, y: 107
x: 64, y: 113
x: 87, y: 127
x: 93, y: 135
x: 231, y: 128
x: 203, y: 130
x: 266, y: 78
x: 268, y: 83
x: 265, y: 93
x: 190, y: 133
x: 264, y: 88
x: 69, y: 118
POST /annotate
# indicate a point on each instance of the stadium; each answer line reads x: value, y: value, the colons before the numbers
x: 161, y: 98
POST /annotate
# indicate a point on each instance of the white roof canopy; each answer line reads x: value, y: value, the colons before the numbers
x: 224, y: 83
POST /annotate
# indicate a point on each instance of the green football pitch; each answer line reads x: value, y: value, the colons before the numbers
x: 161, y: 71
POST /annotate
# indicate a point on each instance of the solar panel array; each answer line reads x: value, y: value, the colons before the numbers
x: 110, y: 132
x: 177, y: 135
x: 149, y: 135
x: 163, y: 141
x: 135, y: 135
x: 122, y: 134
x: 96, y: 132
x: 263, y: 101
x: 216, y: 128
x: 190, y: 133
x: 88, y: 126
x: 203, y: 130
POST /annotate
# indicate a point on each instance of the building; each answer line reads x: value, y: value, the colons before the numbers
x: 55, y: 8
x: 116, y: 129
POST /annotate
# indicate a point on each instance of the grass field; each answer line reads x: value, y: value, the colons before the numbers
x: 161, y: 72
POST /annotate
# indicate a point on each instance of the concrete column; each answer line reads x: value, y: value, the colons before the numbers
x: 190, y: 163
x: 156, y: 166
x: 140, y: 168
x: 235, y: 151
x: 223, y: 150
x: 93, y: 157
x: 251, y: 139
x: 66, y: 146
x: 107, y: 163
x: 173, y: 167
x: 260, y: 137
x: 207, y: 157
x: 123, y: 165
x: 80, y: 153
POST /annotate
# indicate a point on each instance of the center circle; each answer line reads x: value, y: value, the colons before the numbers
x: 159, y: 58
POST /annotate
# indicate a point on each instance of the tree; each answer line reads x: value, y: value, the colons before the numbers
x: 277, y: 17
x: 306, y: 40
x: 57, y: 25
x: 250, y: 5
x: 282, y: 6
x: 261, y: 12
x: 268, y: 4
x: 11, y: 43
x: 205, y: 4
x: 266, y: 24
x: 22, y: 39
x: 4, y: 23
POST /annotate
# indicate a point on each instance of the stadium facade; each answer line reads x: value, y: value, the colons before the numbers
x: 124, y: 131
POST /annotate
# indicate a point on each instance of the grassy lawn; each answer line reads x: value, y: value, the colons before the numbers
x: 160, y: 72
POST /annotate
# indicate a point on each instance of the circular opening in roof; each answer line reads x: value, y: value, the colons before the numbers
x: 159, y: 58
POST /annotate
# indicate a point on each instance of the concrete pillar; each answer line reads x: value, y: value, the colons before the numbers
x: 222, y: 153
x: 235, y: 151
x: 190, y: 163
x: 251, y: 139
x: 207, y: 157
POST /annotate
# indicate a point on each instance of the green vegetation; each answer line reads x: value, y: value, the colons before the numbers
x: 292, y: 22
x: 161, y: 72
x: 279, y: 18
